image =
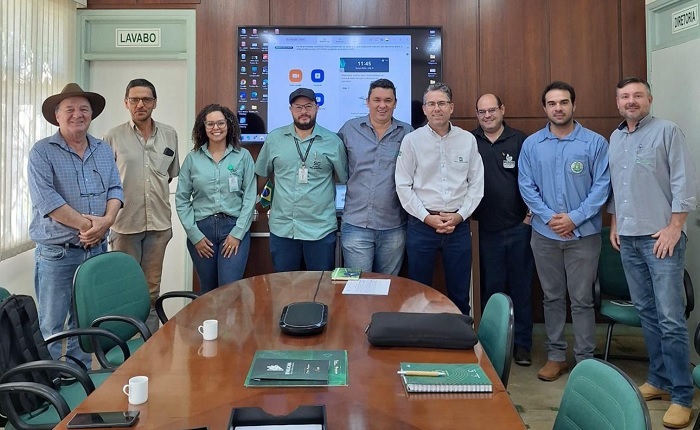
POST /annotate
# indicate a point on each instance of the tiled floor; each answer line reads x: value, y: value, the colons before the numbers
x: 538, y: 401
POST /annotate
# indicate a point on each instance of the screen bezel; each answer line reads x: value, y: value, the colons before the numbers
x: 426, y: 42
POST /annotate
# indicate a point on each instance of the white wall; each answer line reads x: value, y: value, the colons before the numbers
x: 18, y: 274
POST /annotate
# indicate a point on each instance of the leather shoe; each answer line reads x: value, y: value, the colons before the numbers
x: 677, y: 416
x: 650, y: 392
x: 521, y: 356
x: 552, y: 370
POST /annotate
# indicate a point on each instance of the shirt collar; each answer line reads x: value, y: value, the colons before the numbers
x: 507, y: 132
x: 571, y: 136
x: 136, y: 129
x: 57, y: 139
x: 291, y: 131
x: 449, y: 130
x: 394, y: 125
x: 641, y: 123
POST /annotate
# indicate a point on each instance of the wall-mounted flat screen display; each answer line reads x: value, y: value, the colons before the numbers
x: 338, y: 64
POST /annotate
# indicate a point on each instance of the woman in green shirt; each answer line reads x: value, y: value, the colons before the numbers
x: 215, y: 198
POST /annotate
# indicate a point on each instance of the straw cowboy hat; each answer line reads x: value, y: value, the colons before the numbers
x: 97, y: 102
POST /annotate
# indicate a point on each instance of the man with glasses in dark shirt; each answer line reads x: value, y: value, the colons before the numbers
x: 505, y: 255
x: 146, y: 154
x: 70, y: 218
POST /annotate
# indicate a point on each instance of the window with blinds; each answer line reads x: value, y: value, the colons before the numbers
x: 38, y: 52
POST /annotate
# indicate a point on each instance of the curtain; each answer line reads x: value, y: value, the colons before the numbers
x: 38, y: 55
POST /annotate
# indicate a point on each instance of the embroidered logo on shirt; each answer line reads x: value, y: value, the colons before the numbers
x: 577, y: 167
x: 508, y: 163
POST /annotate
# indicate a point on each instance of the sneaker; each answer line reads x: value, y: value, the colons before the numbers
x: 521, y: 356
x: 650, y: 392
x: 677, y: 416
x: 553, y: 370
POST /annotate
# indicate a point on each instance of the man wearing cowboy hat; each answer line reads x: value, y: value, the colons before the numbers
x: 76, y: 193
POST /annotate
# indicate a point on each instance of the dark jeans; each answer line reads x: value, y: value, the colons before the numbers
x: 422, y: 245
x: 287, y: 253
x: 219, y: 270
x: 507, y: 266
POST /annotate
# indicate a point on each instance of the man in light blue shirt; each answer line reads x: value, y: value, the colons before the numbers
x: 654, y: 188
x: 565, y: 181
x: 76, y: 193
x: 304, y: 158
x: 373, y: 229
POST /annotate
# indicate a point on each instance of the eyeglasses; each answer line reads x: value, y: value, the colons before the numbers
x: 210, y: 124
x: 306, y: 107
x: 85, y: 185
x: 147, y: 101
x: 490, y: 111
x: 441, y: 104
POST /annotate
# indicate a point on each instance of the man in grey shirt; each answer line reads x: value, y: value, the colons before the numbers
x: 653, y: 181
x: 373, y: 227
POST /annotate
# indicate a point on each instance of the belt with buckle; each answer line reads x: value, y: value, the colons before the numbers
x: 431, y: 212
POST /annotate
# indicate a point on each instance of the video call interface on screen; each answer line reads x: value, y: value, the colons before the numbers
x: 338, y: 64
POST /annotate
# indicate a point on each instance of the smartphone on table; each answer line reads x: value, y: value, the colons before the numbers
x: 103, y: 419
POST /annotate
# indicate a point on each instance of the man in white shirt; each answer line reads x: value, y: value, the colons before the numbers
x: 440, y: 182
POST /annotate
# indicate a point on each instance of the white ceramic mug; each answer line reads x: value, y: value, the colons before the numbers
x: 209, y: 329
x: 208, y: 349
x: 137, y: 390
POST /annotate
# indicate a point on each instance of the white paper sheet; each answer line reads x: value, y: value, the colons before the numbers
x: 373, y: 287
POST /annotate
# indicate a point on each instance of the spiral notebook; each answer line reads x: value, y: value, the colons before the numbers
x: 457, y: 378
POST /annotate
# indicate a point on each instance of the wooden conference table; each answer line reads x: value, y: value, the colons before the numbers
x: 193, y: 384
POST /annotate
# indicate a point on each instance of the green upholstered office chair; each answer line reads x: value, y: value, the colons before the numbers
x: 696, y: 372
x: 56, y: 396
x: 600, y: 396
x: 4, y: 294
x: 612, y: 296
x: 495, y: 334
x: 110, y: 291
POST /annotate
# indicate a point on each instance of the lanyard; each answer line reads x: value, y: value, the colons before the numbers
x: 303, y: 159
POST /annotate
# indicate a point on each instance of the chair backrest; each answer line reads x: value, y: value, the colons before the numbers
x: 611, y: 274
x: 495, y: 333
x: 112, y: 283
x: 599, y: 396
x: 22, y: 342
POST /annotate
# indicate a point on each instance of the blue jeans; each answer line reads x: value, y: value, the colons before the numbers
x: 55, y: 266
x: 507, y: 266
x: 423, y: 244
x: 287, y: 253
x: 372, y: 250
x: 219, y: 270
x: 656, y: 288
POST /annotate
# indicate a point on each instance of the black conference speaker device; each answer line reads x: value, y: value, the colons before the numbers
x: 304, y: 318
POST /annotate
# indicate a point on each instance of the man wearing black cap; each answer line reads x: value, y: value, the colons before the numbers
x: 303, y: 157
x: 76, y: 194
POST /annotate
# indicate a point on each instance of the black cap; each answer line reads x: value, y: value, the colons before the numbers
x: 302, y: 92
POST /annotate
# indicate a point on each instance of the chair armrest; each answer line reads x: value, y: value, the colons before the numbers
x: 170, y: 295
x: 140, y: 325
x: 689, y: 294
x: 49, y: 394
x: 94, y: 332
x: 52, y: 365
